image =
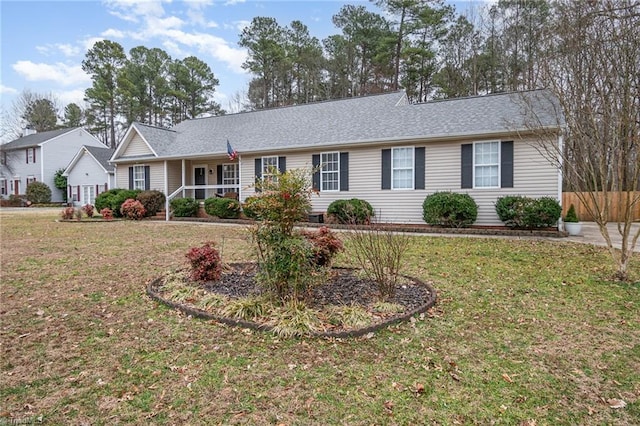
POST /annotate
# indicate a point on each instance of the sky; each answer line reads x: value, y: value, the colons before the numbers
x: 43, y: 43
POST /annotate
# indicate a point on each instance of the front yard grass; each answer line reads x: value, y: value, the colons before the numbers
x: 524, y: 332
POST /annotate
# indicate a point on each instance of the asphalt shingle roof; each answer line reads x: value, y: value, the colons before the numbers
x: 35, y: 139
x: 102, y: 155
x: 369, y: 119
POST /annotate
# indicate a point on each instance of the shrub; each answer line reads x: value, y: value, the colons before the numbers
x: 206, y: 263
x: 184, y: 207
x: 249, y: 207
x: 114, y: 198
x: 523, y: 212
x: 38, y: 192
x: 380, y: 254
x: 133, y: 209
x: 224, y: 208
x: 78, y: 214
x: 353, y: 211
x: 325, y: 245
x: 449, y: 209
x: 153, y: 201
x: 67, y: 213
x: 88, y: 210
x: 571, y: 215
x: 106, y: 213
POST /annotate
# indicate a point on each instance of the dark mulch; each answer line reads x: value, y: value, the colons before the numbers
x: 344, y: 287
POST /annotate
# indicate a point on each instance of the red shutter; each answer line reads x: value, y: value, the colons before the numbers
x: 69, y: 194
x: 78, y: 192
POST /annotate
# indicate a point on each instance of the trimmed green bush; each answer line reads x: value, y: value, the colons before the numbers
x: 184, y: 207
x: 113, y: 199
x: 153, y: 201
x: 517, y: 211
x: 353, y: 211
x: 38, y: 192
x: 249, y: 207
x: 224, y: 208
x: 449, y: 209
x: 572, y: 216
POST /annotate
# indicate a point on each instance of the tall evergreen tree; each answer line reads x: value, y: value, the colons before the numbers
x: 73, y: 116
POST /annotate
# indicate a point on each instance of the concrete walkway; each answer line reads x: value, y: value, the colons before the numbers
x: 591, y: 235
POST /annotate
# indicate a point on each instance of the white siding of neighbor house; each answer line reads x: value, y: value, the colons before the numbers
x: 87, y: 171
x: 137, y: 146
x: 533, y: 176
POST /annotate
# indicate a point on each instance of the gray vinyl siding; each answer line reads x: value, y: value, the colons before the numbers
x: 137, y: 146
x: 533, y: 176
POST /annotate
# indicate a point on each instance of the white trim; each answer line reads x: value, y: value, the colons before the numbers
x: 473, y: 167
x: 413, y: 168
x: 144, y: 176
x: 126, y: 141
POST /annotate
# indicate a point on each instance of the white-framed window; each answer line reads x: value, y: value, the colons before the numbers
x: 3, y: 186
x: 138, y: 177
x: 330, y: 171
x: 486, y: 164
x: 30, y: 180
x: 230, y: 175
x: 3, y: 158
x: 269, y: 168
x: 88, y: 194
x: 31, y: 155
x: 402, y: 168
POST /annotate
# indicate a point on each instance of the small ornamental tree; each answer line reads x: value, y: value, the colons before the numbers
x: 206, y: 263
x: 287, y: 260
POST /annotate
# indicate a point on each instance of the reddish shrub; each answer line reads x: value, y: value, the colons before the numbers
x: 107, y: 213
x: 326, y: 245
x: 133, y: 209
x: 88, y: 210
x: 206, y: 263
x: 67, y: 213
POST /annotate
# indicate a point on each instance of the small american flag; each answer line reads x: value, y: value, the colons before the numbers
x: 233, y: 154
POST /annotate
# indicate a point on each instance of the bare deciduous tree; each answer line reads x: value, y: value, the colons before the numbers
x: 592, y: 66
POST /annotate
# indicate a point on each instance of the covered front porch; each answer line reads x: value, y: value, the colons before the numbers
x: 202, y: 178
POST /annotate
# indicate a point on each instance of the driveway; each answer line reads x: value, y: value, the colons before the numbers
x: 591, y: 235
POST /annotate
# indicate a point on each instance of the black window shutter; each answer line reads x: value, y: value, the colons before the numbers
x: 315, y: 163
x: 219, y: 177
x: 27, y: 156
x: 147, y: 178
x: 344, y: 171
x: 386, y: 169
x: 467, y: 166
x: 506, y: 164
x: 258, y: 171
x: 419, y: 168
x: 282, y: 164
x: 130, y: 177
x: 34, y: 155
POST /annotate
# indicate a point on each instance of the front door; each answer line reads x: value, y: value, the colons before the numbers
x: 88, y: 194
x: 200, y: 178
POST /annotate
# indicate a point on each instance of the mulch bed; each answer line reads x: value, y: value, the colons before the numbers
x: 345, y: 287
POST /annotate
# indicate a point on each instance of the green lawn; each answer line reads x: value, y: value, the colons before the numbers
x: 524, y: 332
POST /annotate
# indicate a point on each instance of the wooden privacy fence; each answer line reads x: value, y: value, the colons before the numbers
x: 569, y: 198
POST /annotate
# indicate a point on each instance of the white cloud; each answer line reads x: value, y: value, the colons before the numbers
x: 89, y: 42
x: 217, y: 47
x: 212, y: 24
x: 232, y: 2
x: 63, y: 74
x: 113, y: 33
x: 65, y: 97
x: 66, y: 49
x: 7, y: 90
x: 237, y: 25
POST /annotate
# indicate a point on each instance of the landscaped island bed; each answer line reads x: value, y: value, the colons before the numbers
x: 524, y: 332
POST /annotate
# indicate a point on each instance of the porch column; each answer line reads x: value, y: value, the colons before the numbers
x: 239, y: 178
x: 184, y: 175
x: 166, y: 191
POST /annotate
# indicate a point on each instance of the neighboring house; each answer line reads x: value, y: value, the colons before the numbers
x: 378, y: 148
x: 89, y: 174
x: 37, y: 157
